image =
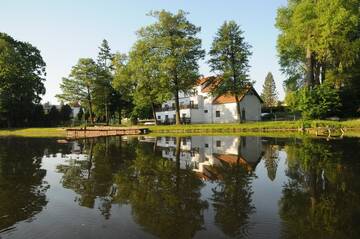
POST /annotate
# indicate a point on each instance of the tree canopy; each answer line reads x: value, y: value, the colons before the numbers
x: 269, y: 94
x: 177, y: 49
x: 22, y: 76
x: 319, y: 42
x: 229, y: 58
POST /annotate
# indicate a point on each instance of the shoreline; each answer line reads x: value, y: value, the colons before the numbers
x: 318, y: 128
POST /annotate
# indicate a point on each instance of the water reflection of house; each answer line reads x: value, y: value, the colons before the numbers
x: 202, y: 154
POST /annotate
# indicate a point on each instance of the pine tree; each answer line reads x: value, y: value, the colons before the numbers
x: 229, y: 58
x: 269, y: 93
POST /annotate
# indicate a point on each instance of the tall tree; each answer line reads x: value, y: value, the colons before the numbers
x: 269, y: 93
x: 123, y: 84
x: 229, y: 58
x: 150, y: 90
x: 79, y: 86
x: 103, y: 87
x: 22, y: 73
x: 178, y: 49
x: 317, y: 37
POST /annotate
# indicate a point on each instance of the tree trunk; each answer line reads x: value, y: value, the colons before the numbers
x: 119, y: 112
x: 177, y: 156
x: 106, y: 114
x: 238, y: 108
x: 90, y: 106
x: 177, y: 108
x: 309, y: 68
x: 317, y: 74
x: 154, y: 112
x: 91, y: 112
x: 323, y: 71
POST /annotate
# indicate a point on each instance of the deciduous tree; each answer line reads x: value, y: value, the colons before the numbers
x: 79, y: 86
x: 175, y: 42
x: 22, y: 73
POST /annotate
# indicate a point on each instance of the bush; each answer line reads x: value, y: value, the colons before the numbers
x: 320, y: 102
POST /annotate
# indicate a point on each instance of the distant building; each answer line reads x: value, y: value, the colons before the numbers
x: 75, y: 109
x: 202, y: 107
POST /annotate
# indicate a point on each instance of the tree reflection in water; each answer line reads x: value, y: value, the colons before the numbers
x: 92, y: 177
x: 22, y: 188
x: 165, y: 199
x: 321, y: 198
x: 232, y: 197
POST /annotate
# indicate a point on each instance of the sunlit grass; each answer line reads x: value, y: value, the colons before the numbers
x: 34, y: 132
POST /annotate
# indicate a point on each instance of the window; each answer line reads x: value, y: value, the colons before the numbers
x: 184, y: 115
x: 218, y: 143
x: 174, y: 116
x: 205, y: 111
x: 217, y: 113
x: 159, y: 116
x: 206, y: 145
x: 166, y: 117
x: 184, y: 141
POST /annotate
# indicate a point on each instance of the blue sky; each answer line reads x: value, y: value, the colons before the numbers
x: 67, y: 30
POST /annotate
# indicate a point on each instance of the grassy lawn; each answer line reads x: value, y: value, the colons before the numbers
x: 266, y: 128
x: 34, y: 132
x: 257, y: 126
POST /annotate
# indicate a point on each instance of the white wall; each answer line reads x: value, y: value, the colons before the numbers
x: 228, y: 112
x: 252, y: 106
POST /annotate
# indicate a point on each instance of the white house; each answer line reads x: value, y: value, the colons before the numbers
x: 202, y: 107
x: 203, y: 153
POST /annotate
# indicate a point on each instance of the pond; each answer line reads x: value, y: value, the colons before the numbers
x: 180, y: 187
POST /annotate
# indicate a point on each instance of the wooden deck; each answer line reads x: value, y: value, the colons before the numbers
x: 92, y: 132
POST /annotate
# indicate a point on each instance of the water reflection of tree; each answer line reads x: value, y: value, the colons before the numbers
x: 165, y: 199
x: 322, y: 197
x: 92, y: 177
x: 232, y: 198
x: 22, y: 189
x: 271, y: 160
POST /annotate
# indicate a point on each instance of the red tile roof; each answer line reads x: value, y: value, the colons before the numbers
x: 232, y: 159
x: 211, y: 82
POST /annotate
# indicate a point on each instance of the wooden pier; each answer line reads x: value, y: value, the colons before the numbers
x: 92, y: 132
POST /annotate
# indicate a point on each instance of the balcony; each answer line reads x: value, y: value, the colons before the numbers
x: 168, y: 121
x: 182, y: 107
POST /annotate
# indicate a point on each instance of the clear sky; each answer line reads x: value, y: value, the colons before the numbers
x: 66, y: 30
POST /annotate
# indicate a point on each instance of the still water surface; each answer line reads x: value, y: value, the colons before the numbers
x: 189, y: 187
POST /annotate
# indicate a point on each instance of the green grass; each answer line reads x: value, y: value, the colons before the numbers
x: 267, y: 128
x: 34, y: 132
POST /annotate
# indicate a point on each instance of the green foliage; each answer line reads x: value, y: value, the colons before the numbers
x: 320, y: 102
x: 269, y: 94
x: 316, y: 37
x: 53, y: 117
x: 79, y: 86
x: 150, y: 90
x: 229, y: 58
x: 177, y: 49
x: 320, y: 42
x: 22, y: 73
x: 80, y: 115
x: 123, y: 84
x: 65, y: 113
